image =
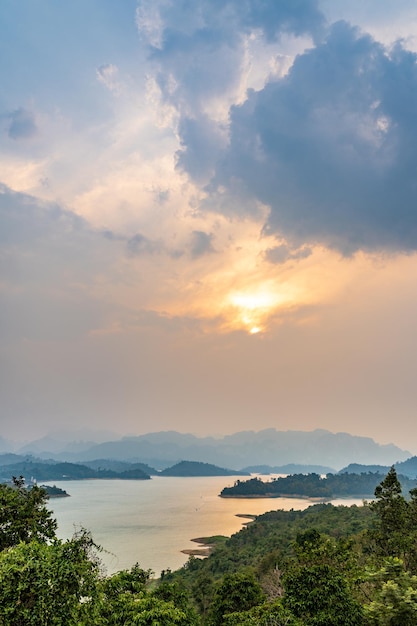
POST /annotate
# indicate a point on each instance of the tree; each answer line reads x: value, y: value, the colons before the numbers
x: 23, y: 515
x: 267, y: 614
x: 236, y: 592
x: 395, y: 599
x: 47, y: 584
x: 394, y: 531
x: 124, y: 599
x: 320, y: 596
x: 318, y: 583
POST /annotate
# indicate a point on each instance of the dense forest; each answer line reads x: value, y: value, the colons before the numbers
x: 312, y: 486
x: 196, y: 468
x: 42, y: 470
x: 324, y: 566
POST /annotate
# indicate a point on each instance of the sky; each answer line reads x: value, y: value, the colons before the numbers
x: 208, y: 216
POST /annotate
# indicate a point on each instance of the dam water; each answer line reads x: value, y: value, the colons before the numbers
x: 149, y: 522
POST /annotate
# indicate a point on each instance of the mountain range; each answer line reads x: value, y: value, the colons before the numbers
x: 242, y: 449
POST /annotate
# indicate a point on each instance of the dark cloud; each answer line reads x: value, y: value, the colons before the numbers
x: 199, y: 45
x: 332, y: 147
x: 50, y: 259
x: 286, y: 16
x: 283, y: 253
x: 201, y: 244
x: 139, y: 245
x: 22, y: 124
x: 25, y: 220
x: 202, y: 145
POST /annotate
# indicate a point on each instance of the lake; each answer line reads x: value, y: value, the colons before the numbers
x: 149, y: 522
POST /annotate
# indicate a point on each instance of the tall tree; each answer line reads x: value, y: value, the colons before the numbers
x: 390, y: 535
x: 24, y: 515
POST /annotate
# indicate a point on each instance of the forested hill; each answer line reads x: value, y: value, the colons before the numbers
x: 324, y: 566
x: 194, y: 468
x: 312, y: 486
x: 42, y: 471
x: 405, y: 468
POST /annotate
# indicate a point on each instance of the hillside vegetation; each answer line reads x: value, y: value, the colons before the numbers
x: 195, y: 468
x: 312, y: 486
x: 324, y: 566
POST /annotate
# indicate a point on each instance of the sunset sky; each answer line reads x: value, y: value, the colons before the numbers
x: 208, y: 216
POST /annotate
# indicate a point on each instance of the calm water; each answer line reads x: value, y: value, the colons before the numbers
x: 149, y: 522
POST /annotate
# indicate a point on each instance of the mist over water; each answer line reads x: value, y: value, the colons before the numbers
x: 149, y: 522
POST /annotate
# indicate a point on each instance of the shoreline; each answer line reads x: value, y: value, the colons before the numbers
x: 206, y: 544
x: 274, y: 496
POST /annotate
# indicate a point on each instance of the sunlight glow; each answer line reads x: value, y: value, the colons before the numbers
x: 255, y: 301
x: 253, y: 308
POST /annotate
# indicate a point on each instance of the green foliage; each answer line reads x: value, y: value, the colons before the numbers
x: 319, y: 595
x: 236, y: 592
x: 45, y: 584
x: 125, y: 581
x: 202, y: 590
x: 268, y: 614
x: 124, y: 599
x: 138, y: 609
x: 319, y: 582
x: 23, y: 515
x: 395, y: 599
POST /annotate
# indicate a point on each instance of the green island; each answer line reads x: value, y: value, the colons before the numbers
x: 312, y: 486
x: 323, y: 566
x: 196, y: 468
x: 54, y: 492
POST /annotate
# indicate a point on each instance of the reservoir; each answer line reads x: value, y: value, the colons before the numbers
x: 150, y: 521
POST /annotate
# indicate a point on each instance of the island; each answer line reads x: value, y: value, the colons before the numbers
x: 312, y: 486
x: 37, y: 470
x: 54, y: 492
x: 196, y: 468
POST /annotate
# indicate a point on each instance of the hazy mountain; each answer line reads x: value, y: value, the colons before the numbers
x: 8, y: 458
x: 68, y: 442
x: 6, y: 445
x: 359, y: 468
x: 290, y: 468
x: 406, y: 468
x: 266, y: 447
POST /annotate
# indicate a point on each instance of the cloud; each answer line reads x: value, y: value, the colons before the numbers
x: 201, y: 244
x: 199, y: 48
x: 26, y: 220
x: 139, y: 245
x: 22, y: 124
x: 202, y: 142
x: 328, y: 147
x: 52, y: 262
x: 331, y: 147
x: 283, y: 253
x: 108, y: 74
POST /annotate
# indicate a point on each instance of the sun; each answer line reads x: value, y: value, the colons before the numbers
x: 252, y: 308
